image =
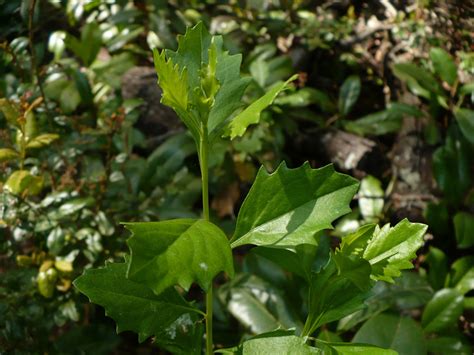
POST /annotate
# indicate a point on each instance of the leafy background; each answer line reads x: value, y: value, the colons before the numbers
x: 384, y: 92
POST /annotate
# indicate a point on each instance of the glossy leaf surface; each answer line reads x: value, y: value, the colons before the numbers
x: 348, y: 94
x: 443, y: 310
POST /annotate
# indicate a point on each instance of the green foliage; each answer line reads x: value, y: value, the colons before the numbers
x: 279, y: 210
x: 177, y: 252
x: 84, y: 144
x: 284, y: 209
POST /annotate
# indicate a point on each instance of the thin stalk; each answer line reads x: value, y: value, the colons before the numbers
x: 203, y: 159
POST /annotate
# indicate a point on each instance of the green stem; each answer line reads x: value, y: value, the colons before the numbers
x: 203, y: 158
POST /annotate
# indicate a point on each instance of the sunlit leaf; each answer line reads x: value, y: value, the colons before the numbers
x: 177, y: 252
x: 289, y: 206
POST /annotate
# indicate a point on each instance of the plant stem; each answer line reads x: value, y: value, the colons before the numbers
x: 203, y: 159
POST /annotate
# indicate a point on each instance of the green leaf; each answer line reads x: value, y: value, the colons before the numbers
x: 465, y: 118
x: 173, y: 81
x: 449, y: 345
x: 396, y: 332
x: 177, y: 252
x: 22, y: 182
x: 334, y: 295
x: 462, y: 274
x: 302, y: 259
x: 438, y: 267
x: 305, y: 97
x: 204, y: 75
x: 7, y: 154
x: 42, y: 140
x: 340, y: 348
x: 442, y: 311
x: 69, y: 98
x: 378, y: 123
x: 391, y: 250
x: 135, y: 307
x: 10, y: 110
x: 464, y: 228
x: 421, y: 81
x: 289, y: 206
x: 355, y: 243
x: 371, y: 198
x: 348, y: 94
x: 258, y: 305
x: 408, y: 292
x: 452, y: 167
x: 277, y: 342
x: 251, y: 115
x: 444, y: 65
x: 229, y: 97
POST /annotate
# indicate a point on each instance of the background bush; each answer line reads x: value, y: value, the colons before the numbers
x: 385, y: 92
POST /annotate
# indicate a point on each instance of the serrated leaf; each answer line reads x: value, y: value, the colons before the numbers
x: 348, y: 94
x: 251, y: 115
x: 444, y: 65
x: 7, y: 154
x: 356, y: 243
x: 177, y: 252
x: 42, y: 140
x: 442, y: 311
x: 22, y: 181
x: 212, y: 83
x: 333, y: 294
x: 401, y: 334
x: 391, y: 250
x: 135, y: 307
x: 289, y: 206
x: 465, y: 118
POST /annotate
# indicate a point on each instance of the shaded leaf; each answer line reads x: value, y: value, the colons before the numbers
x: 289, y: 206
x: 465, y: 118
x: 177, y: 252
x: 443, y: 65
x: 258, y: 305
x: 452, y: 167
x: 399, y: 333
x: 135, y: 307
x: 464, y: 228
x: 348, y: 94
